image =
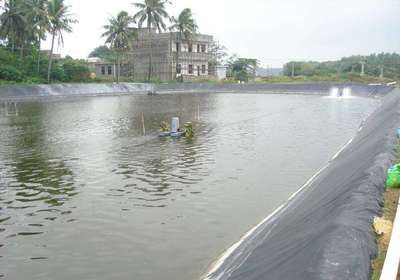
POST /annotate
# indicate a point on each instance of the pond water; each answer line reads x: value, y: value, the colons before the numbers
x: 84, y: 195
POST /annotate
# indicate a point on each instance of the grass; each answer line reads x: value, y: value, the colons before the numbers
x: 391, y: 199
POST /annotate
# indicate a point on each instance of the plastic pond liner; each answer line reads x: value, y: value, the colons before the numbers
x: 324, y: 231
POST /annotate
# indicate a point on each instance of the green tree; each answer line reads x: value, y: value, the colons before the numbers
x: 103, y: 52
x: 60, y: 20
x: 13, y: 23
x: 119, y: 36
x: 242, y: 68
x: 185, y: 26
x: 154, y: 13
x: 38, y: 17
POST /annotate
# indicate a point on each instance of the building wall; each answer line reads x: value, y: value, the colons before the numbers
x: 164, y: 56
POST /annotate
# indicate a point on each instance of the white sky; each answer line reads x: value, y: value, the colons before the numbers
x: 273, y: 31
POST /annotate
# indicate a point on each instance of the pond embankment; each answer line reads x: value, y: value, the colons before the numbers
x: 67, y: 90
x: 324, y: 231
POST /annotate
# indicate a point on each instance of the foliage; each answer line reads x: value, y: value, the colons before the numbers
x: 374, y: 63
x: 241, y: 69
x: 75, y: 70
x: 185, y: 25
x: 152, y: 11
x: 219, y: 54
x: 14, y: 69
x: 103, y: 52
x: 60, y: 20
x: 10, y: 73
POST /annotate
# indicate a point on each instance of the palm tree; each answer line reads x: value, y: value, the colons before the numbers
x: 186, y: 26
x: 39, y: 18
x: 154, y: 12
x: 60, y: 20
x: 13, y: 22
x: 119, y: 36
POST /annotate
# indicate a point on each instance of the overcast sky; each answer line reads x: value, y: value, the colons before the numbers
x: 273, y: 31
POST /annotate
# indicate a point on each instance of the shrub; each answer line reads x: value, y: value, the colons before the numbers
x: 10, y: 73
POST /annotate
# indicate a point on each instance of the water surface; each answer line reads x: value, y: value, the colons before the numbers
x: 84, y: 195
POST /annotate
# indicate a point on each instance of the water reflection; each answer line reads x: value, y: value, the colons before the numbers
x: 35, y: 182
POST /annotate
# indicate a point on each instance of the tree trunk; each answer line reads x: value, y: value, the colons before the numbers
x: 118, y: 68
x: 51, y: 57
x: 151, y: 52
x: 39, y: 47
x: 150, y: 57
x: 180, y: 43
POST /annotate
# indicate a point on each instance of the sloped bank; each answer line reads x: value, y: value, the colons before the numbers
x: 66, y: 90
x: 324, y: 231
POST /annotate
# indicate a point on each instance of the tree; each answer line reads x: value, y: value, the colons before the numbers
x: 186, y: 26
x: 219, y: 55
x: 119, y: 36
x: 60, y: 21
x: 242, y: 68
x: 13, y: 23
x: 39, y: 18
x: 103, y: 52
x: 154, y: 12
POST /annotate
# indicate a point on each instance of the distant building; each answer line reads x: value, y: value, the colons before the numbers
x: 101, y: 68
x: 194, y: 61
x: 221, y: 72
x: 55, y: 55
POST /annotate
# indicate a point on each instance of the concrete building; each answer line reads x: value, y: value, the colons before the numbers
x: 171, y: 57
x: 101, y: 68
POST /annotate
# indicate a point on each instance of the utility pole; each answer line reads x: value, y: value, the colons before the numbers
x: 362, y: 68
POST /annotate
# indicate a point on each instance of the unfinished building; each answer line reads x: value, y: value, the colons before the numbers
x: 171, y: 58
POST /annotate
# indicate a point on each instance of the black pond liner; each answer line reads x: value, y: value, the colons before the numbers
x: 325, y: 231
x: 17, y: 92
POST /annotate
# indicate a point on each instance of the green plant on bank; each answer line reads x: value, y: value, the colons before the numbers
x: 14, y: 70
x: 375, y: 65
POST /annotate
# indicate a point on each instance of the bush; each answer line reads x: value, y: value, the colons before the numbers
x: 10, y: 73
x: 75, y: 71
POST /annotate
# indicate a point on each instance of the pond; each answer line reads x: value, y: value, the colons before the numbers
x: 84, y: 194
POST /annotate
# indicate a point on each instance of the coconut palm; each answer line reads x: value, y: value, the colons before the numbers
x: 13, y: 22
x: 119, y: 36
x: 186, y: 26
x: 154, y: 13
x: 60, y: 20
x: 39, y: 18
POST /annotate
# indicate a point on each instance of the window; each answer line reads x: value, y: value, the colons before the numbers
x: 198, y: 70
x: 198, y: 48
x: 178, y: 47
x: 103, y: 70
x: 190, y: 47
x: 179, y: 69
x: 109, y: 70
x: 203, y: 69
x: 190, y: 68
x: 203, y: 48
